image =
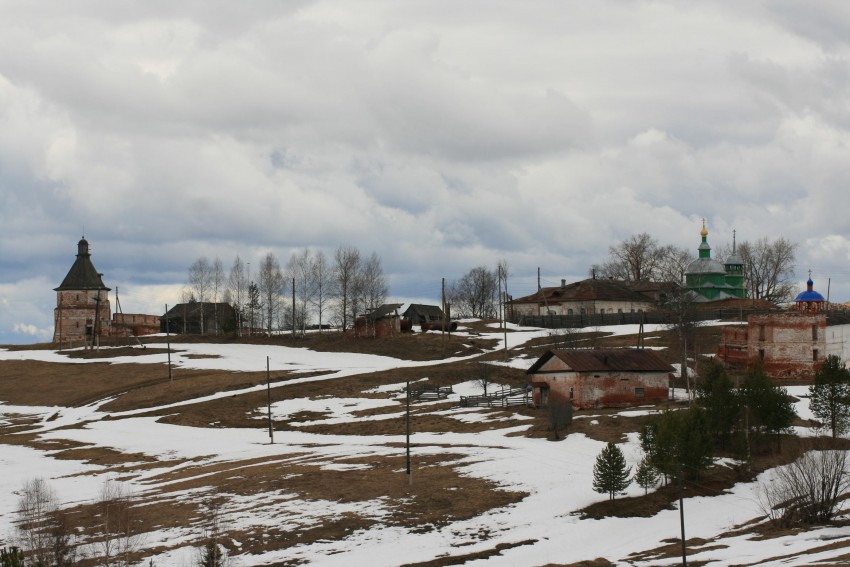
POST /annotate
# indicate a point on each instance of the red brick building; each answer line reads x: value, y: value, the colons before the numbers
x: 600, y: 378
x: 789, y: 344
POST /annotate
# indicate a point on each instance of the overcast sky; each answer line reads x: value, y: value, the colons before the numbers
x: 441, y: 135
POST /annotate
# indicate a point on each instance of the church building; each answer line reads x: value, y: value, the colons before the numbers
x: 82, y: 303
x: 711, y: 280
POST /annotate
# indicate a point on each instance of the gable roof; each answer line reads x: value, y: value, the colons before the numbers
x: 608, y: 360
x: 383, y: 311
x: 587, y: 290
x: 82, y: 275
x: 193, y: 309
x: 423, y: 311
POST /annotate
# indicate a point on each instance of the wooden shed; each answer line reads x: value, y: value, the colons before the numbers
x: 381, y: 322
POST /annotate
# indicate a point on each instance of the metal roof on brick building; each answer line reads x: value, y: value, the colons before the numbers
x: 608, y: 360
x: 82, y: 275
x: 586, y: 290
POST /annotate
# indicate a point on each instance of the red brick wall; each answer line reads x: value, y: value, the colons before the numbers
x: 75, y: 311
x: 135, y: 324
x: 786, y: 344
x: 605, y: 389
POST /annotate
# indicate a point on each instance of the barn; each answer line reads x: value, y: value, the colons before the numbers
x: 600, y: 378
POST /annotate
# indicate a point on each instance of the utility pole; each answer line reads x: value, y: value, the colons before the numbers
x: 445, y: 322
x: 269, y: 401
x: 60, y: 321
x: 682, y: 515
x: 168, y: 342
x: 95, y: 338
x: 409, y: 468
x: 293, y: 308
x: 501, y: 303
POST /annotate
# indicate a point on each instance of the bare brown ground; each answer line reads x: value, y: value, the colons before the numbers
x: 439, y: 494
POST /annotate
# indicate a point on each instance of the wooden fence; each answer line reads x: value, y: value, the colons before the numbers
x: 833, y: 317
x: 507, y: 397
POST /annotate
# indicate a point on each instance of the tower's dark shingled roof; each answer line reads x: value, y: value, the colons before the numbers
x: 83, y: 274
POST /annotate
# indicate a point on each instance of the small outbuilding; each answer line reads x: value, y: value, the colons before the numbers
x: 600, y: 378
x: 381, y: 322
x: 198, y: 318
x: 420, y: 314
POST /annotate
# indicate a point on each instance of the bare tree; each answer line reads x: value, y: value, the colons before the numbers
x: 213, y: 553
x: 502, y: 285
x: 474, y: 294
x: 200, y: 278
x: 217, y: 284
x: 768, y: 268
x: 636, y: 258
x: 373, y: 283
x: 44, y: 534
x: 321, y: 281
x: 237, y: 285
x: 271, y: 286
x: 300, y: 271
x: 345, y: 282
x: 682, y: 311
x: 673, y: 263
x: 119, y: 539
x: 641, y: 258
x: 810, y: 490
x: 36, y: 509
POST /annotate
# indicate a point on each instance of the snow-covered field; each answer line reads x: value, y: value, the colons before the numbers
x: 556, y: 476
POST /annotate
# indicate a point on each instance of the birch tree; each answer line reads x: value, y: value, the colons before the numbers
x: 373, y: 283
x: 271, y: 286
x: 345, y: 282
x: 200, y: 282
x: 321, y: 273
x: 299, y: 268
x: 237, y: 284
x: 217, y: 285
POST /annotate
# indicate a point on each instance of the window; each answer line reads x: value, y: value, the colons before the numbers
x: 571, y: 392
x: 761, y: 332
x: 569, y: 311
x: 761, y: 354
x: 639, y: 392
x: 620, y: 311
x: 582, y: 311
x: 815, y: 355
x: 814, y: 332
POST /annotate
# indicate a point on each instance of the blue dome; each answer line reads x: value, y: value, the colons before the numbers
x: 810, y: 295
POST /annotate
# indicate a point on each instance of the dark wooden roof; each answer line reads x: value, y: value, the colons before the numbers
x: 585, y: 290
x: 193, y: 309
x: 423, y: 311
x: 82, y: 275
x: 385, y: 310
x: 608, y: 360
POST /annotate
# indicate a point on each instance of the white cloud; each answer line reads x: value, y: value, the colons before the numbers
x: 442, y: 136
